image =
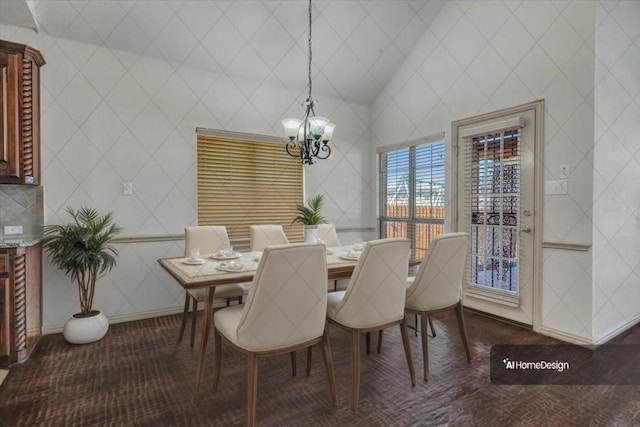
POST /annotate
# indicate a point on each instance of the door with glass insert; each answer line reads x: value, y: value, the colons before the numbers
x: 496, y: 207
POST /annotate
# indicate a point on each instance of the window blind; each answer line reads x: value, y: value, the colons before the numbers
x: 247, y: 180
x: 412, y: 191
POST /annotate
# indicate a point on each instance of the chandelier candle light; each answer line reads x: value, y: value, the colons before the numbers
x: 309, y: 137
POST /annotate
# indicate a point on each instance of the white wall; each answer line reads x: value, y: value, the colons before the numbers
x: 482, y: 56
x: 616, y: 205
x: 110, y: 117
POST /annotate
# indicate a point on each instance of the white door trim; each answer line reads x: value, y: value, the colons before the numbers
x: 538, y: 107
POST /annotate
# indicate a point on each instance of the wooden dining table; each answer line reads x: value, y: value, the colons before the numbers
x: 214, y: 272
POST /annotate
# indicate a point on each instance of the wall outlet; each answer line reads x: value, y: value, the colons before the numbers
x: 12, y: 229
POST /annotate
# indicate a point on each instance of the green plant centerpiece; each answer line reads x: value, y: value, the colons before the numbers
x: 82, y: 251
x: 310, y: 216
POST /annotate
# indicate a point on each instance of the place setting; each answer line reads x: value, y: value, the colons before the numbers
x: 235, y: 266
x: 225, y: 253
x: 354, y: 253
x: 194, y: 258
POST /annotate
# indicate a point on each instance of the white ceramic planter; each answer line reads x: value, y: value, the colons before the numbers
x: 83, y: 330
x: 311, y: 233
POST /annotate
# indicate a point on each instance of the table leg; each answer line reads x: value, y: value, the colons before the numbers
x: 206, y: 328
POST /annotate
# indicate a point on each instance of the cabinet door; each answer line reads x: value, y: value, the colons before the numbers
x: 10, y: 71
x: 6, y: 308
x: 6, y: 329
x: 33, y: 296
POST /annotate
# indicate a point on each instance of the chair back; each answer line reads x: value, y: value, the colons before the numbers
x: 266, y: 235
x: 438, y: 283
x: 287, y: 301
x: 376, y: 292
x: 208, y: 238
x: 327, y: 233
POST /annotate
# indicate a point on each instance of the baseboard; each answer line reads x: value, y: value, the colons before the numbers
x: 498, y: 318
x: 121, y: 318
x: 614, y: 332
x: 550, y: 332
x: 575, y: 339
x: 564, y: 336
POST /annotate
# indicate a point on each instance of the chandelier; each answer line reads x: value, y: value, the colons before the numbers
x: 309, y: 137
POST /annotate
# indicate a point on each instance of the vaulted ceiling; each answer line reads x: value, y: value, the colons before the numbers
x: 357, y: 45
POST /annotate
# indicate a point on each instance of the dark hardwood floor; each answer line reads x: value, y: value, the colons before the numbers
x: 137, y: 376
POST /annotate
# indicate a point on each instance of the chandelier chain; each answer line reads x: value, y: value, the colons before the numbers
x: 310, y: 53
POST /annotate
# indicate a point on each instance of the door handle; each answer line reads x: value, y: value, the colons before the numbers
x: 526, y: 229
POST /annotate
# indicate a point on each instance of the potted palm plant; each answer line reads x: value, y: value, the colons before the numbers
x: 310, y: 216
x: 81, y: 250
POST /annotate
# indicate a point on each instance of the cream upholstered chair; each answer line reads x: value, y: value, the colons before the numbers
x: 264, y: 235
x: 374, y: 300
x: 207, y: 238
x: 438, y: 286
x: 285, y: 311
x: 261, y: 236
x: 327, y: 233
x: 410, y: 280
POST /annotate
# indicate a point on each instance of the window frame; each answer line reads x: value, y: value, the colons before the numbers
x: 412, y: 220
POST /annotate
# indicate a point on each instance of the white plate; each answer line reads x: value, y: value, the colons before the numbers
x: 193, y: 261
x: 235, y: 255
x: 349, y: 258
x: 225, y: 267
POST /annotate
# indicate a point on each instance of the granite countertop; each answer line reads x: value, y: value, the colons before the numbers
x: 19, y: 241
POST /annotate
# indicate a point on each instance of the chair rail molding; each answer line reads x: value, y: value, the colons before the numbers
x: 567, y: 246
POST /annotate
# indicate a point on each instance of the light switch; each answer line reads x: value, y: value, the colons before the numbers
x: 555, y: 187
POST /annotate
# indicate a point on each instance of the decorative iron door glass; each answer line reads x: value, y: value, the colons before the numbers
x: 495, y: 206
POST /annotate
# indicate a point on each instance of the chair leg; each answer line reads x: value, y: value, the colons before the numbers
x: 463, y: 330
x: 194, y: 319
x: 433, y: 330
x: 294, y: 364
x: 367, y: 339
x: 328, y: 364
x: 424, y: 318
x: 415, y: 331
x: 309, y: 356
x: 407, y: 350
x: 252, y: 388
x: 185, y: 313
x: 355, y: 369
x: 218, y: 356
x: 380, y: 341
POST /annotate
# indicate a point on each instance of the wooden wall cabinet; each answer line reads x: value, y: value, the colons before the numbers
x: 20, y: 302
x: 20, y: 113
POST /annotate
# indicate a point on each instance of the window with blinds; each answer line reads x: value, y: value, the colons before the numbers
x: 245, y: 179
x: 412, y: 191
